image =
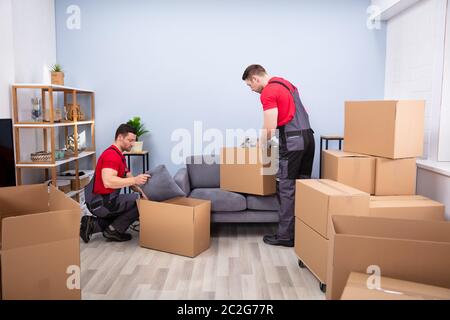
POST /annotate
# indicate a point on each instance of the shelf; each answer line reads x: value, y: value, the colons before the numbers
x: 51, y: 125
x: 54, y: 87
x: 57, y: 163
x: 50, y: 137
x: 71, y: 194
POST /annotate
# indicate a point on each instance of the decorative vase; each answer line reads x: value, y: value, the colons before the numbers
x: 138, y: 146
x: 36, y: 110
x: 58, y: 78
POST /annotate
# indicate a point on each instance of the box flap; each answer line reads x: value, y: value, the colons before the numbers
x: 23, y: 200
x: 29, y: 230
x: 187, y: 202
x: 420, y: 230
x: 60, y: 201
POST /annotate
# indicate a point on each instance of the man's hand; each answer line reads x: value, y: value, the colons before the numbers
x: 141, y: 179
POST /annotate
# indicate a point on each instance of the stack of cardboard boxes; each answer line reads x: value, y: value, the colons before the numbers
x: 381, y: 143
x: 315, y: 202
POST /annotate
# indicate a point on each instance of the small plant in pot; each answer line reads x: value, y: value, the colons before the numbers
x: 140, y: 131
x: 57, y: 74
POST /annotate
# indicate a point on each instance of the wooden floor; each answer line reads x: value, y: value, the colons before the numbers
x: 238, y: 265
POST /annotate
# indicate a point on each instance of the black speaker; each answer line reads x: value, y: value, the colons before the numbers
x: 7, y: 165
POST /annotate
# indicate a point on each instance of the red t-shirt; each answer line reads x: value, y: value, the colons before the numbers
x: 111, y: 158
x: 274, y: 95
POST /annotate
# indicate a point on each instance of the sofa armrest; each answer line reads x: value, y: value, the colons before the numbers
x: 182, y: 180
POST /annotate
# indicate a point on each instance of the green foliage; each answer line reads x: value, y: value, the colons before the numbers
x: 138, y: 126
x: 56, y: 68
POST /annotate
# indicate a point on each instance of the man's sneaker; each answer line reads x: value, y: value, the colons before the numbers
x: 114, y: 235
x: 87, y: 227
x: 274, y: 241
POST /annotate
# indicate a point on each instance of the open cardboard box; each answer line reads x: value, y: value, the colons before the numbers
x: 248, y: 170
x: 180, y: 226
x: 40, y: 243
x: 410, y: 250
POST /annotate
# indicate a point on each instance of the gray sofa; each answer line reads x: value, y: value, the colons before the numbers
x: 201, y: 180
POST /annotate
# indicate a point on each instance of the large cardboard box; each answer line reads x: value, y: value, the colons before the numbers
x: 395, y: 177
x: 312, y: 249
x: 389, y: 129
x: 248, y: 170
x: 407, y: 207
x: 410, y: 250
x: 317, y: 200
x: 40, y: 244
x: 352, y: 169
x: 363, y: 287
x: 180, y: 225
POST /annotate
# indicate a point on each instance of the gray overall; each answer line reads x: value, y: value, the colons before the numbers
x: 297, y: 149
x: 118, y: 210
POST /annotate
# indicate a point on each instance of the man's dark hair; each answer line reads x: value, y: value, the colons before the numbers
x: 253, y: 70
x: 124, y: 129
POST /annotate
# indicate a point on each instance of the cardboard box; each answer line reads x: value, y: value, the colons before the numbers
x: 352, y: 169
x: 312, y: 249
x: 317, y: 200
x: 357, y: 288
x: 180, y: 225
x: 395, y: 177
x: 246, y: 170
x: 389, y: 129
x: 40, y: 243
x: 410, y: 250
x: 407, y: 207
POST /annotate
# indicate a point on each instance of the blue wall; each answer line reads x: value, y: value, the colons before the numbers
x: 174, y: 62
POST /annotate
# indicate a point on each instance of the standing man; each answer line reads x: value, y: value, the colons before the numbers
x: 112, y: 212
x: 283, y: 110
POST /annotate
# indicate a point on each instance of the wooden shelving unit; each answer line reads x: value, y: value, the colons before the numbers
x: 49, y: 130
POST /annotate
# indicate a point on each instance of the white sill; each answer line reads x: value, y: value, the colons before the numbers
x: 435, y: 166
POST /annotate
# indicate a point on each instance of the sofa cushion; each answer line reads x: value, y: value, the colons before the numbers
x: 204, y: 171
x: 161, y: 186
x: 221, y: 200
x: 181, y: 178
x: 268, y: 203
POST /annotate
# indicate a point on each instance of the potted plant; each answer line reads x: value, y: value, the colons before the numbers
x: 140, y: 131
x: 57, y: 74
